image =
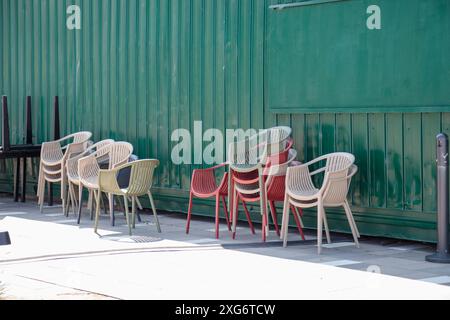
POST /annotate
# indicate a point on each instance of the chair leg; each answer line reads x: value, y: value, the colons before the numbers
x: 354, y: 223
x: 232, y: 196
x: 38, y: 191
x: 217, y: 215
x: 80, y: 201
x: 297, y: 221
x: 300, y: 215
x: 263, y: 204
x: 354, y: 229
x: 264, y: 228
x: 155, y: 214
x: 285, y: 227
x: 133, y: 211
x: 72, y: 198
x: 105, y: 211
x: 225, y: 209
x: 127, y: 214
x: 139, y: 206
x: 247, y: 214
x: 283, y: 218
x: 273, y: 211
x: 235, y: 211
x: 97, y: 196
x: 90, y: 204
x: 41, y: 198
x: 112, y: 217
x: 188, y: 223
x: 325, y: 222
x: 319, y: 226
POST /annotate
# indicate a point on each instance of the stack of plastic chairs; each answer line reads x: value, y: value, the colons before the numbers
x: 52, y: 167
x: 248, y: 159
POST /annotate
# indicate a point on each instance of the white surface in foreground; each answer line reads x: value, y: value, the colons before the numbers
x: 193, y: 272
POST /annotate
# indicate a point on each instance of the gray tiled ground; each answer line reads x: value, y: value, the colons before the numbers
x: 397, y: 258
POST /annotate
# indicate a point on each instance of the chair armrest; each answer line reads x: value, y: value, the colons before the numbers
x: 87, y: 167
x: 107, y: 180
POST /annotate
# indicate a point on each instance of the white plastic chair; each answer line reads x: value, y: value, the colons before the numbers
x: 73, y: 176
x: 116, y: 153
x: 52, y: 167
x: 302, y: 193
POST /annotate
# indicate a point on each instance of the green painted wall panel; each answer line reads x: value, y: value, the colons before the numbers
x: 139, y: 69
x: 343, y: 65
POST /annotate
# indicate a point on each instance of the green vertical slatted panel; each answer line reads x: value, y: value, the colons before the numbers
x: 96, y: 60
x: 245, y: 16
x: 328, y: 131
x: 231, y: 52
x: 132, y: 93
x: 53, y: 66
x: 394, y: 163
x: 412, y: 139
x: 2, y: 55
x: 14, y: 101
x: 141, y: 79
x: 360, y: 150
x: 174, y: 84
x: 123, y: 99
x: 18, y: 120
x: 153, y: 83
x: 377, y: 160
x: 431, y: 126
x: 184, y: 82
x: 2, y: 62
x: 164, y: 89
x: 61, y: 61
x: 299, y: 136
x: 343, y: 132
x: 104, y: 15
x: 79, y: 73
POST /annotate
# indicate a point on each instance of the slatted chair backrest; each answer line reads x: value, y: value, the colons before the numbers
x: 72, y: 163
x: 119, y: 153
x: 141, y: 177
x: 335, y: 185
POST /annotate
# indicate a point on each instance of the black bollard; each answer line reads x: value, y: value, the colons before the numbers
x: 442, y: 255
x: 4, y: 238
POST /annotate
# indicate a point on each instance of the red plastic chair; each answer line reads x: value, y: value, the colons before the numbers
x: 203, y: 185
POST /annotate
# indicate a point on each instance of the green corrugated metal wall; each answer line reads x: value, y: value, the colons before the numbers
x: 139, y: 69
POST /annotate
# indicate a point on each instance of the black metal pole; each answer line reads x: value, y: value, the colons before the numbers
x: 6, y: 142
x: 29, y: 136
x: 4, y: 238
x: 4, y: 235
x: 442, y: 255
x: 57, y: 134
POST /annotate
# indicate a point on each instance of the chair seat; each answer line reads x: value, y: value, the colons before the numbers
x: 304, y: 194
x: 204, y: 184
x: 90, y: 182
x: 247, y: 188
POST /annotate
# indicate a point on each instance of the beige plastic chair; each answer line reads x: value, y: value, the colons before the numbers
x: 140, y: 183
x: 302, y: 193
x: 52, y: 167
x: 72, y: 172
x: 116, y: 154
